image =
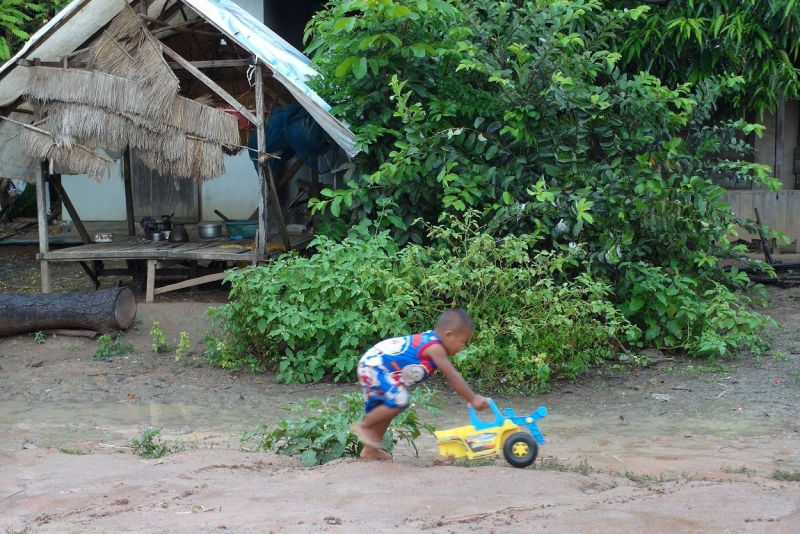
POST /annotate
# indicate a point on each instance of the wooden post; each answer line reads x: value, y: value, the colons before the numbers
x: 127, y: 166
x: 41, y: 209
x: 263, y: 225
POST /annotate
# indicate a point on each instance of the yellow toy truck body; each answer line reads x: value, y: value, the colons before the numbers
x: 468, y: 441
x: 504, y: 435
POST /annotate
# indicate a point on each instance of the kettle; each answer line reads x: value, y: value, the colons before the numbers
x: 178, y: 233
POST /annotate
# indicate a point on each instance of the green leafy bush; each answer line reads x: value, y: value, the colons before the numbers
x: 520, y: 110
x: 325, y: 434
x: 701, y: 318
x: 308, y: 318
x: 528, y: 328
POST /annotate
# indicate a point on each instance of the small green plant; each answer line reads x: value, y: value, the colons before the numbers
x: 159, y: 339
x: 112, y: 347
x: 325, y: 435
x: 150, y: 445
x: 738, y: 470
x: 219, y: 354
x: 40, y: 337
x: 790, y: 476
x: 76, y: 452
x: 183, y: 347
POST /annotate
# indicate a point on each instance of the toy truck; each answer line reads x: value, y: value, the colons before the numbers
x: 483, y: 439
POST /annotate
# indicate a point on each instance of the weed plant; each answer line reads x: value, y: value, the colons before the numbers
x: 109, y: 347
x: 160, y: 343
x: 322, y: 431
x: 150, y: 445
x: 791, y: 476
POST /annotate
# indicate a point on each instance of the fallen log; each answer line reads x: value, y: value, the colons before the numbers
x: 106, y: 311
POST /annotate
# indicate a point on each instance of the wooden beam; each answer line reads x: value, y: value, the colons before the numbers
x: 276, y: 205
x: 285, y: 178
x: 127, y: 170
x: 215, y: 64
x: 191, y: 282
x: 211, y: 84
x: 58, y: 64
x: 55, y: 180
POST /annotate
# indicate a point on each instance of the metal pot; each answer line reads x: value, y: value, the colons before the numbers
x: 178, y: 233
x: 157, y: 236
x: 209, y: 229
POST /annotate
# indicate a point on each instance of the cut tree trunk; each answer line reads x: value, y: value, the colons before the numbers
x: 105, y: 311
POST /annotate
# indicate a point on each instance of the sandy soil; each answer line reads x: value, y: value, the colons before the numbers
x: 681, y: 446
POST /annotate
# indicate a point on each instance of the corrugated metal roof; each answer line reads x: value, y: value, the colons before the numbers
x: 81, y: 19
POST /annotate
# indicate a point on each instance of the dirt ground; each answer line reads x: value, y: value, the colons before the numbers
x: 680, y: 446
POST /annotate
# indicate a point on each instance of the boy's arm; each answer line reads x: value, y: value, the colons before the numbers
x: 443, y: 363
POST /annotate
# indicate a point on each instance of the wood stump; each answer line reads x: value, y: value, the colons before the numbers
x: 106, y: 311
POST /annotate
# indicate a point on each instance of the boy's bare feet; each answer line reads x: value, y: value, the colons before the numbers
x: 444, y: 460
x: 366, y: 437
x: 371, y: 453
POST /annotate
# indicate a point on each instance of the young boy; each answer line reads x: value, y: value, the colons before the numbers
x: 387, y: 368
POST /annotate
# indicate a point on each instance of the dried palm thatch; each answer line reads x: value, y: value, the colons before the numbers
x: 145, y: 65
x: 97, y: 89
x: 203, y: 161
x: 203, y: 121
x: 97, y: 127
x: 72, y: 158
x: 129, y: 96
x: 126, y: 24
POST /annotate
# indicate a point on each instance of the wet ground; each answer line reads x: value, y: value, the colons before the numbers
x: 680, y: 446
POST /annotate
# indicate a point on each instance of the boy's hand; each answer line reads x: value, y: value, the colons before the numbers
x: 479, y: 403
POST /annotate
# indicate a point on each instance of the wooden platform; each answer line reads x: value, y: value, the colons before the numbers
x: 166, y: 255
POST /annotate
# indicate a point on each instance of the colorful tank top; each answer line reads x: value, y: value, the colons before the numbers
x: 402, y: 357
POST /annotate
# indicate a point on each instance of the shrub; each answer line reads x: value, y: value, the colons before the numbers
x: 308, y: 318
x: 528, y: 328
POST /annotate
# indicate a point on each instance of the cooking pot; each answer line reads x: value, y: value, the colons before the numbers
x: 157, y: 236
x: 209, y: 229
x: 178, y: 233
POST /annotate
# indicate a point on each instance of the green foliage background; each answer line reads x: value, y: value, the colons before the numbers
x: 529, y: 113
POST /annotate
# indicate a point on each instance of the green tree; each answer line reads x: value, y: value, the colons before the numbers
x: 692, y: 40
x: 19, y: 19
x: 523, y: 112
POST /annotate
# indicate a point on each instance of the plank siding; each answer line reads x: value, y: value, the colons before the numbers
x: 780, y: 210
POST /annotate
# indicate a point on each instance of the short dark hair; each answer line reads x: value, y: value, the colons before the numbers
x: 455, y: 319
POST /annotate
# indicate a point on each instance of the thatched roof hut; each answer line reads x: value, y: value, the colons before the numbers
x: 168, y: 79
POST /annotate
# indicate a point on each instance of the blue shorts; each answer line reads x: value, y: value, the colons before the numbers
x: 382, y: 388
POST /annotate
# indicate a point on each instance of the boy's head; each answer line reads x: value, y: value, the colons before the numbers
x: 454, y: 328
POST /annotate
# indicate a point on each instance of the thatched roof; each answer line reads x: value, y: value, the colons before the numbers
x: 126, y: 94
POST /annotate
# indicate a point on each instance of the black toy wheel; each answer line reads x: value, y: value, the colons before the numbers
x: 520, y: 449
